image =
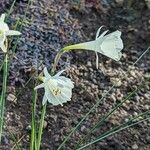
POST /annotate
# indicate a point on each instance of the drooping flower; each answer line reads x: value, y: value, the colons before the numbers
x: 109, y: 45
x: 58, y: 89
x: 4, y: 32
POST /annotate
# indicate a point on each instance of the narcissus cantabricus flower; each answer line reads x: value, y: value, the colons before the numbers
x: 4, y: 32
x: 109, y: 45
x: 58, y: 89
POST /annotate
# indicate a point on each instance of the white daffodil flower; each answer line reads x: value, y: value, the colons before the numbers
x: 58, y: 89
x: 4, y: 32
x: 109, y: 45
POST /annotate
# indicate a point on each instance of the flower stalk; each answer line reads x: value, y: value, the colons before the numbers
x: 3, y: 93
x: 41, y: 78
x: 56, y: 60
x: 4, y: 32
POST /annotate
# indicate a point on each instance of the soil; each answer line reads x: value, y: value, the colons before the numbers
x: 48, y: 27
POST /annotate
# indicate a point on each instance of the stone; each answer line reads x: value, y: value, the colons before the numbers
x: 119, y: 2
x: 135, y: 146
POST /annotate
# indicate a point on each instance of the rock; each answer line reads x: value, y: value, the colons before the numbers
x: 135, y: 146
x: 116, y: 81
x: 5, y: 140
x: 148, y: 139
x: 45, y: 124
x: 28, y: 128
x: 148, y: 3
x: 12, y: 98
x: 113, y: 98
x: 147, y: 107
x: 83, y: 128
x: 119, y: 2
x: 54, y: 117
x: 133, y: 73
x: 89, y: 64
x: 147, y: 96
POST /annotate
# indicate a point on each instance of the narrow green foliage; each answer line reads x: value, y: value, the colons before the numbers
x: 41, y: 126
x: 33, y: 145
x: 11, y: 9
x: 3, y: 94
x: 133, y: 121
x: 99, y: 124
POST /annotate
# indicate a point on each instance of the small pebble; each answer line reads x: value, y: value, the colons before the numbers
x: 89, y: 64
x: 135, y: 146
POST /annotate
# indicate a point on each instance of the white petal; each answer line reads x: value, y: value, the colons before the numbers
x: 44, y: 99
x: 2, y: 39
x: 67, y: 92
x: 12, y: 32
x: 3, y: 26
x: 97, y: 34
x: 39, y: 86
x: 3, y: 47
x: 51, y: 98
x: 47, y: 75
x: 102, y: 35
x: 2, y: 18
x: 66, y: 82
x: 98, y: 31
x: 64, y: 96
x: 112, y: 45
x: 59, y: 73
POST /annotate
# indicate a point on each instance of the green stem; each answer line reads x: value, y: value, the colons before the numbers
x: 33, y: 126
x: 56, y: 60
x: 3, y: 94
x: 41, y: 126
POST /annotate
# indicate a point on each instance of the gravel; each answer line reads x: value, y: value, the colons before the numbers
x: 51, y: 25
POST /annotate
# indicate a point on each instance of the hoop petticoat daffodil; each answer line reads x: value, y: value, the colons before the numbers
x: 58, y: 89
x: 109, y: 45
x: 4, y: 32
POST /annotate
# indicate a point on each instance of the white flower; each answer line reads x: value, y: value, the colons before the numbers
x: 109, y: 45
x: 58, y: 89
x: 4, y: 31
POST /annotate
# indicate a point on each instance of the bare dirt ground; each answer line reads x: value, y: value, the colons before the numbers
x: 51, y: 25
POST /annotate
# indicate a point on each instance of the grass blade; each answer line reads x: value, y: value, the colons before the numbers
x: 33, y: 145
x: 3, y: 94
x: 41, y: 126
x: 118, y: 129
x: 11, y: 9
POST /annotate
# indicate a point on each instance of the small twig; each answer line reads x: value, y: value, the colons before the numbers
x: 17, y: 142
x: 56, y: 60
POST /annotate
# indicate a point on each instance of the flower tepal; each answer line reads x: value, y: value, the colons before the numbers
x: 109, y: 45
x: 58, y: 89
x: 4, y: 32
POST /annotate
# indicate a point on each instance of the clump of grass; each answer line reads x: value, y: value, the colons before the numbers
x: 3, y: 94
x: 5, y: 67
